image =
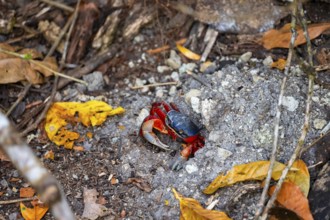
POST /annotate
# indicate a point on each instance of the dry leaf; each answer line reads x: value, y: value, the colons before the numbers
x: 250, y: 171
x: 188, y: 53
x: 61, y: 114
x: 92, y: 210
x: 140, y: 183
x: 292, y: 198
x: 35, y: 213
x: 49, y: 155
x: 299, y: 175
x: 281, y: 38
x: 14, y: 69
x: 192, y: 210
x: 279, y: 64
x: 26, y: 192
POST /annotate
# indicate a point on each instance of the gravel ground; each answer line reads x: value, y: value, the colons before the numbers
x: 237, y: 112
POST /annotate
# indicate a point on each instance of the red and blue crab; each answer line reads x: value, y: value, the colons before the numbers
x: 167, y: 119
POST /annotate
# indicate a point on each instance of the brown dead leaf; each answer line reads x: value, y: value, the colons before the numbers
x: 1, y: 193
x: 292, y: 198
x: 26, y: 192
x: 192, y: 210
x: 92, y: 210
x: 281, y: 38
x: 14, y: 69
x: 140, y: 183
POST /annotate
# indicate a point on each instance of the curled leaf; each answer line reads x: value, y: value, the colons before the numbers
x: 250, y: 171
x: 192, y: 210
x: 188, y: 53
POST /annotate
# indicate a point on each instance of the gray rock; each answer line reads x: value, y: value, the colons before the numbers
x: 95, y: 81
x: 245, y: 57
x: 290, y: 103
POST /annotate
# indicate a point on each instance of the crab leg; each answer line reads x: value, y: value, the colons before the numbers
x: 150, y: 136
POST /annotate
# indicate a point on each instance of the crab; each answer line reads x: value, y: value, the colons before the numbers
x: 167, y: 119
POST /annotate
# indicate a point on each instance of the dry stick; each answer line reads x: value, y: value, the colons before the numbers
x: 18, y: 200
x: 19, y: 99
x: 56, y: 80
x: 24, y: 159
x: 278, y: 116
x: 59, y: 5
x: 214, y: 34
x: 155, y: 85
x: 311, y: 76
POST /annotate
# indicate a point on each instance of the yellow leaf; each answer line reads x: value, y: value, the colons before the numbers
x: 188, y: 53
x: 35, y: 213
x: 250, y: 171
x: 300, y: 176
x: 61, y: 114
x: 192, y: 210
x: 279, y: 64
x: 292, y: 198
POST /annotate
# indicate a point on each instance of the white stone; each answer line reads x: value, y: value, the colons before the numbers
x: 131, y: 64
x: 175, y: 76
x: 187, y: 66
x: 174, y: 61
x: 195, y: 103
x: 192, y: 93
x: 290, y: 103
x: 160, y: 93
x: 191, y: 168
x: 223, y: 153
x: 139, y: 82
x: 245, y: 57
x: 319, y: 123
x: 268, y: 61
x: 172, y: 91
x: 207, y: 106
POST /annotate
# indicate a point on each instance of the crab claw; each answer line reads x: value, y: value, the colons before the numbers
x: 150, y: 136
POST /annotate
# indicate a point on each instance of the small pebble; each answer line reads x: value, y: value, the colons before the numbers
x: 319, y: 123
x: 268, y: 61
x: 245, y: 57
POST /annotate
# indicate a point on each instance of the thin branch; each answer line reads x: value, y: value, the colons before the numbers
x: 49, y: 101
x: 18, y: 200
x: 59, y: 5
x: 262, y: 200
x: 25, y: 161
x: 301, y: 140
x: 155, y: 85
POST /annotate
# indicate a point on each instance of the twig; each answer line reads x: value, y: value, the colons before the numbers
x: 166, y: 47
x: 155, y: 85
x: 199, y: 79
x: 55, y: 86
x: 18, y: 200
x: 322, y: 67
x: 59, y: 5
x: 262, y: 200
x: 19, y: 99
x: 24, y: 159
x: 301, y: 140
x: 17, y: 39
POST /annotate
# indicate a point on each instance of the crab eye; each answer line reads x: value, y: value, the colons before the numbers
x: 181, y: 131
